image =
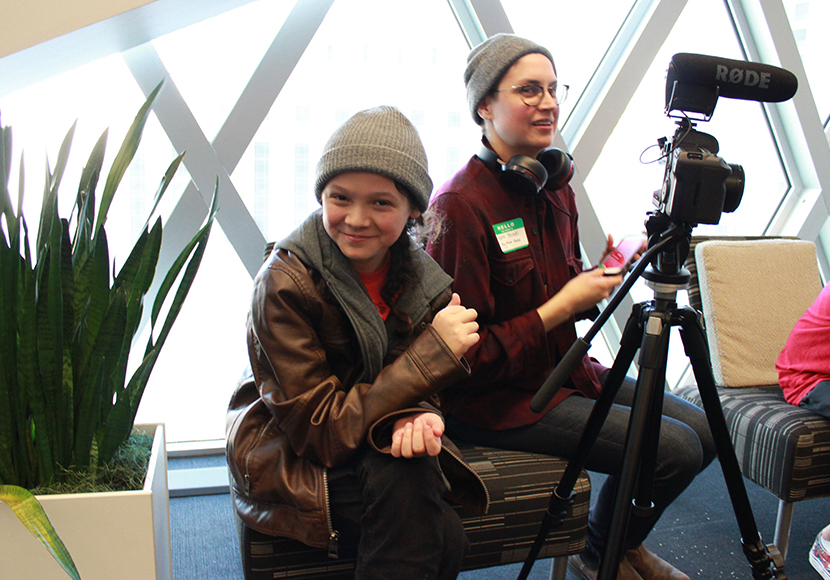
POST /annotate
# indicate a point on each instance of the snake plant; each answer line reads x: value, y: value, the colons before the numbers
x: 68, y: 324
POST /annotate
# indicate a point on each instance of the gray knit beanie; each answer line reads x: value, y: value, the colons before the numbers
x: 379, y: 140
x: 487, y: 63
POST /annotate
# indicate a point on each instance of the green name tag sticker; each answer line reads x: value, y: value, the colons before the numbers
x: 511, y: 235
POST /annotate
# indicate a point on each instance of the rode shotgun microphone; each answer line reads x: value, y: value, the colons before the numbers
x: 722, y: 77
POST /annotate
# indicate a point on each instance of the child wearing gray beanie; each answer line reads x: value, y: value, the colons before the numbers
x: 352, y: 331
x: 379, y: 140
x: 487, y: 63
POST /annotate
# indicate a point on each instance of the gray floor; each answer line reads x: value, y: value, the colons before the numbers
x: 698, y: 534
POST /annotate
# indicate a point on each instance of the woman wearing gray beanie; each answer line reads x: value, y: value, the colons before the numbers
x: 511, y: 242
x: 353, y: 330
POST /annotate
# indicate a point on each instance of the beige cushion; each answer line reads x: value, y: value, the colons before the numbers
x: 752, y: 293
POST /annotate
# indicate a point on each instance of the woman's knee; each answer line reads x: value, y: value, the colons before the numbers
x: 695, y: 418
x: 681, y: 455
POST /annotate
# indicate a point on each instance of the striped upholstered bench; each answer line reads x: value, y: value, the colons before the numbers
x: 782, y: 448
x: 519, y: 485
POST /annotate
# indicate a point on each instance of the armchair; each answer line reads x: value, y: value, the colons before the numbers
x: 751, y: 293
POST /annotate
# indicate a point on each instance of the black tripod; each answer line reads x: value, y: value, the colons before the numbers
x: 648, y: 329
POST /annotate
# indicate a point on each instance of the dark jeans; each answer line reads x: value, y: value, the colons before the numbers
x: 685, y: 448
x: 818, y: 399
x: 396, y: 506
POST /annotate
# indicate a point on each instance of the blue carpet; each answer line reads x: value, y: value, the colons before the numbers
x: 698, y: 534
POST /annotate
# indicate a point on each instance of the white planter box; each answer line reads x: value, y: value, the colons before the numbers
x: 121, y: 535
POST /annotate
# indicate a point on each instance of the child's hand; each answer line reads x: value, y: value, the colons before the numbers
x: 457, y: 326
x: 417, y: 435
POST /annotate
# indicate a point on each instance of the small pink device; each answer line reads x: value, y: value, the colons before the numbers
x: 620, y: 258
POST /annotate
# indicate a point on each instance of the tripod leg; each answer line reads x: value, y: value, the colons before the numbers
x: 642, y: 438
x: 762, y: 558
x: 560, y: 498
x: 629, y: 343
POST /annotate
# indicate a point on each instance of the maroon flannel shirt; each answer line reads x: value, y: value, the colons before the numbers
x: 515, y: 355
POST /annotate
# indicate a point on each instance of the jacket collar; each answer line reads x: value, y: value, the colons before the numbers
x: 311, y: 244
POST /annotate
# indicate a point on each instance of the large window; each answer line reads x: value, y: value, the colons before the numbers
x: 410, y: 54
x: 362, y: 57
x: 627, y: 172
x: 808, y: 19
x: 97, y: 97
x: 574, y: 33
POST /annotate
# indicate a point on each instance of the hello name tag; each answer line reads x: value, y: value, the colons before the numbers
x: 511, y: 235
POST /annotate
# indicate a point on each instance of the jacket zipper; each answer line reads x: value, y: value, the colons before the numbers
x: 334, y: 536
x: 473, y: 471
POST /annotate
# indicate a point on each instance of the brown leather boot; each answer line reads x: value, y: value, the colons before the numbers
x: 652, y: 567
x: 627, y: 572
x: 584, y: 572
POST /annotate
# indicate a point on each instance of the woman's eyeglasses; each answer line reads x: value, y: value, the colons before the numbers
x: 531, y: 95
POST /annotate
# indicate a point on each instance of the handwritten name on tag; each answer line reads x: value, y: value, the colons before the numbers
x: 511, y: 235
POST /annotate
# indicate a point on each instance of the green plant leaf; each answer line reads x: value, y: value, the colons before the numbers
x: 191, y: 257
x: 50, y: 347
x: 134, y: 280
x: 62, y: 413
x: 165, y: 182
x: 136, y: 277
x: 92, y: 297
x: 85, y: 202
x: 138, y: 271
x: 125, y: 156
x: 31, y: 388
x: 49, y: 208
x: 199, y: 239
x: 97, y: 375
x: 5, y: 171
x: 29, y: 511
x: 10, y: 265
x: 122, y: 415
x: 70, y: 324
x: 21, y: 181
x: 17, y: 294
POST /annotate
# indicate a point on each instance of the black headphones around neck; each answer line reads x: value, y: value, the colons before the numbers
x: 552, y: 168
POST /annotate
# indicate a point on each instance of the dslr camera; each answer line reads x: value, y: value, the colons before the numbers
x: 698, y: 186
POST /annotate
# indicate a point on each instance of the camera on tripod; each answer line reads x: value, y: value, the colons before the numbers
x: 699, y: 186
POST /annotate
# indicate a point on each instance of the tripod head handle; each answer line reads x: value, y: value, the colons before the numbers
x: 580, y: 347
x: 559, y: 375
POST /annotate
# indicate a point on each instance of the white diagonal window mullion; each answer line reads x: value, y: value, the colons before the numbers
x: 205, y: 161
x: 268, y: 80
x: 491, y: 17
x: 767, y: 36
x: 200, y: 158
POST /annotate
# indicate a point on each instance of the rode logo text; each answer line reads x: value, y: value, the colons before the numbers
x: 739, y: 76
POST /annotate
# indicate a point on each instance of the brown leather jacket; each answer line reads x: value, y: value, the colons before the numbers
x: 304, y: 410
